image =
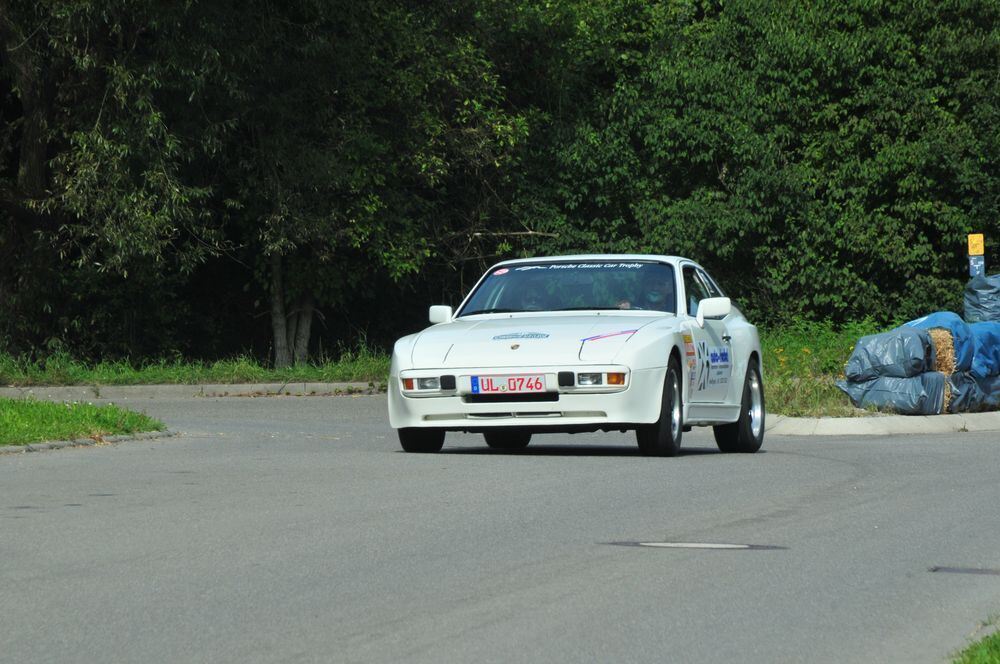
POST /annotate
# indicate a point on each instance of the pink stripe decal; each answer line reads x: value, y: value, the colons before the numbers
x: 610, y: 334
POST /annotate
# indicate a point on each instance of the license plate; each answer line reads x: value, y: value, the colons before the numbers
x: 517, y: 384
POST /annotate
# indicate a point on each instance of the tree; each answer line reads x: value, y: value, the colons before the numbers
x: 827, y: 160
x: 368, y: 120
x: 99, y: 146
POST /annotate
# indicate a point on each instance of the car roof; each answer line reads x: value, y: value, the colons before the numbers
x: 672, y: 260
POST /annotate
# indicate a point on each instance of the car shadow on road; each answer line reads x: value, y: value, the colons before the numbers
x: 573, y: 450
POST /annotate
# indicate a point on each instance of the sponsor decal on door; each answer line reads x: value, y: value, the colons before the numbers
x: 712, y: 365
x: 719, y: 365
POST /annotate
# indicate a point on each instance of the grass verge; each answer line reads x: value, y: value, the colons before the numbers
x: 986, y: 651
x: 801, y: 363
x: 60, y: 369
x: 24, y: 421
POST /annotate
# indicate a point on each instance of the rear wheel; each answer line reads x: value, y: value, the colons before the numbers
x: 663, y: 437
x: 507, y: 440
x: 747, y: 433
x: 421, y: 440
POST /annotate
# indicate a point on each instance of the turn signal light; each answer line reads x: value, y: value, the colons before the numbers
x: 407, y: 383
x: 616, y: 379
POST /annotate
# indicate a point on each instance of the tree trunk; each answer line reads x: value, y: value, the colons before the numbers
x: 31, y: 172
x: 282, y: 354
x: 303, y: 328
x: 291, y: 327
x: 35, y: 91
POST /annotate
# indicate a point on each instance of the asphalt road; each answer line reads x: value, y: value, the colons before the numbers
x: 293, y: 530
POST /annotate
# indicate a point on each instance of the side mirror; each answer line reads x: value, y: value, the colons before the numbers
x: 713, y: 307
x: 440, y: 313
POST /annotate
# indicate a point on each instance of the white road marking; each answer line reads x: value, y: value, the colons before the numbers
x: 694, y: 545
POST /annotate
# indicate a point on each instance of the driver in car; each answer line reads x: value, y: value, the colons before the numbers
x: 657, y: 294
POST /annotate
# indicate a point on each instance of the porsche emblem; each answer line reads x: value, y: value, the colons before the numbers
x: 515, y: 346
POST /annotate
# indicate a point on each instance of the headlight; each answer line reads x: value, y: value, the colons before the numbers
x: 429, y: 383
x: 586, y: 379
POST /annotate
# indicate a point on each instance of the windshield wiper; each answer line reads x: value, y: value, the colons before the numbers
x: 491, y: 311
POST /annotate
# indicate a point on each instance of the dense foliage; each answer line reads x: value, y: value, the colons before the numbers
x: 213, y: 177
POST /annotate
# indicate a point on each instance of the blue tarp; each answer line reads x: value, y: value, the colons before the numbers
x: 982, y: 299
x: 902, y: 353
x: 986, y: 338
x: 990, y: 388
x: 960, y: 332
x: 895, y: 370
x: 966, y: 393
x: 917, y: 395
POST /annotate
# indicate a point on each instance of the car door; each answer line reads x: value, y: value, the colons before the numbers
x: 712, y: 367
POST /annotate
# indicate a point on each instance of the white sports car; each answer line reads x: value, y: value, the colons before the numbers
x: 583, y: 343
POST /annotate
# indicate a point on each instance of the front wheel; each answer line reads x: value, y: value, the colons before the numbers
x: 746, y: 434
x: 507, y: 440
x: 663, y: 437
x: 421, y: 440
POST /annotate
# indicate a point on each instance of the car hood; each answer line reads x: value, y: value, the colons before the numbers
x: 526, y: 340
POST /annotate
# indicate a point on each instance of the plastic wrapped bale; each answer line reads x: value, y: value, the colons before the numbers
x: 916, y: 395
x: 986, y: 339
x: 990, y: 389
x: 982, y: 299
x: 953, y: 344
x: 965, y: 395
x: 901, y: 353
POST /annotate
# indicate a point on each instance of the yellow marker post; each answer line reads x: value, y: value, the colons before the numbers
x: 976, y: 244
x: 977, y: 257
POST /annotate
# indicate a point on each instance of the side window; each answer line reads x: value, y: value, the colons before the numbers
x: 694, y: 290
x: 710, y: 285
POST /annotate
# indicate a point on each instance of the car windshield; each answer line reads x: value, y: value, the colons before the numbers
x: 575, y: 286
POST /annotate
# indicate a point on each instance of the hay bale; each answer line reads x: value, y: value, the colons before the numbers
x: 944, y: 348
x: 947, y: 396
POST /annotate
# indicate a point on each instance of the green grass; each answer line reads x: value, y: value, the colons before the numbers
x: 801, y: 363
x: 60, y: 369
x: 24, y: 421
x: 986, y: 651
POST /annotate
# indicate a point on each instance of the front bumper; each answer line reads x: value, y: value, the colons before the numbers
x: 638, y: 402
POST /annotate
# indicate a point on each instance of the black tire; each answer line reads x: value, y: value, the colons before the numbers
x: 421, y: 440
x: 507, y: 440
x: 746, y: 434
x: 663, y: 437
